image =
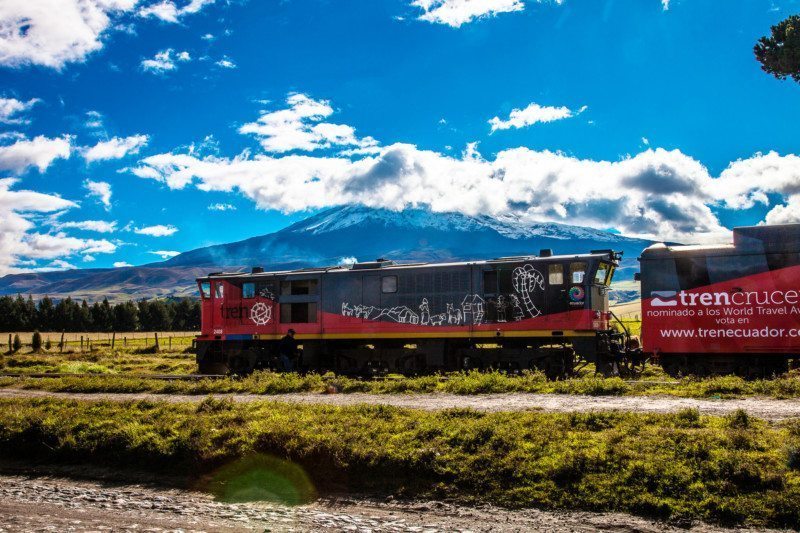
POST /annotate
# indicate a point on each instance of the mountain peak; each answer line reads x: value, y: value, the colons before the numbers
x: 510, y: 226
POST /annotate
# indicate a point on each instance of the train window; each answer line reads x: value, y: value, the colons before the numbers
x: 389, y: 284
x: 577, y: 271
x: 298, y: 287
x: 301, y: 313
x: 248, y: 290
x: 205, y: 290
x: 555, y: 274
x: 489, y: 282
x: 603, y: 274
x: 219, y: 290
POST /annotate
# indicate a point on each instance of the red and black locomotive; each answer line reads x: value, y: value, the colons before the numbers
x: 373, y: 317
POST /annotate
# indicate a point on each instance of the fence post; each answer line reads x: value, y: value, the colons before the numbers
x: 9, y: 343
x: 156, y: 334
x: 124, y: 341
x: 113, y: 339
x: 61, y: 344
x: 81, y: 343
x: 170, y: 342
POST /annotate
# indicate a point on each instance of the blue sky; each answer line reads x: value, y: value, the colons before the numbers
x: 211, y: 121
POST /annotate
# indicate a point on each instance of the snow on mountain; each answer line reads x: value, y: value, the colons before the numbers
x: 510, y: 226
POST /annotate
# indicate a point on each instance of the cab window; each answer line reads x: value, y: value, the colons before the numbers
x: 603, y: 274
x: 205, y: 290
x: 219, y: 290
x: 248, y: 290
x: 555, y: 274
x: 577, y: 271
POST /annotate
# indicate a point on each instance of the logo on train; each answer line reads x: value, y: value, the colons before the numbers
x: 663, y: 298
x: 576, y: 294
x: 261, y: 314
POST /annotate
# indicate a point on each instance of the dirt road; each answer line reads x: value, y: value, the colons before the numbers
x: 766, y: 408
x: 60, y: 504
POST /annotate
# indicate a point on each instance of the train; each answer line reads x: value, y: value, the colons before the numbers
x: 723, y: 309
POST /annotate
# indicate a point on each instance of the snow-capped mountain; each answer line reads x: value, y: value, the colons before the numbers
x: 331, y: 237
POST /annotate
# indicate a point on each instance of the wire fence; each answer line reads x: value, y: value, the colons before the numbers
x: 130, y: 339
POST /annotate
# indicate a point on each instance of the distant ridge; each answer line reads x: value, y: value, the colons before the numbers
x: 328, y: 238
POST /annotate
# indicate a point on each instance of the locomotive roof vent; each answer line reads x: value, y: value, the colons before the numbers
x: 257, y: 270
x: 546, y: 252
x: 379, y: 263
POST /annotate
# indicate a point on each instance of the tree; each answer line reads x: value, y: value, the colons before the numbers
x: 779, y: 54
x: 36, y: 342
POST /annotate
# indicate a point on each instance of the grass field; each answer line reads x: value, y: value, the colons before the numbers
x: 733, y: 470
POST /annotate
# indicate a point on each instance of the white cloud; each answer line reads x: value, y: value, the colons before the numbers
x: 301, y: 127
x: 454, y: 13
x: 52, y: 33
x: 533, y: 114
x: 665, y: 4
x: 165, y: 254
x: 115, y: 148
x: 10, y: 108
x: 645, y: 141
x: 58, y: 264
x: 158, y: 230
x: 222, y: 207
x: 101, y: 190
x: 121, y: 264
x: 226, y: 63
x: 94, y: 120
x: 165, y: 61
x: 169, y: 11
x: 38, y: 152
x: 100, y: 226
x: 22, y: 246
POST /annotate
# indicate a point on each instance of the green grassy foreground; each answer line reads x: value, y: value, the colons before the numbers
x: 733, y: 470
x: 456, y: 383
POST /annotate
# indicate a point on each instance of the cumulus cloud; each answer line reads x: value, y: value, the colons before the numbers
x: 100, y: 226
x: 158, y: 230
x: 100, y: 190
x: 226, y: 63
x: 52, y: 33
x: 533, y: 114
x: 657, y: 193
x: 165, y: 61
x: 11, y: 108
x: 170, y: 11
x: 301, y: 126
x: 121, y: 264
x: 38, y: 152
x: 221, y: 207
x: 165, y: 254
x: 454, y: 13
x: 115, y: 148
x: 22, y: 245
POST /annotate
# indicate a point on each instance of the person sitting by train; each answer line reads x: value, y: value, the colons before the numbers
x: 287, y: 351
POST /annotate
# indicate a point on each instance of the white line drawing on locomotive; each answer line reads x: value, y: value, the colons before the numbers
x: 525, y: 279
x: 261, y: 314
x: 264, y: 292
x: 471, y: 310
x: 500, y: 304
x: 519, y: 314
